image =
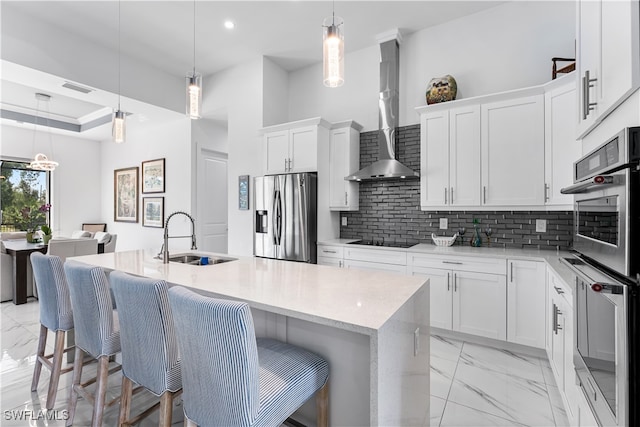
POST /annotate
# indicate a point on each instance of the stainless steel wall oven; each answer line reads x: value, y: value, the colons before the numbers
x: 607, y: 268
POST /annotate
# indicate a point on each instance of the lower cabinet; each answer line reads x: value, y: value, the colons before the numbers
x: 384, y: 260
x: 334, y: 262
x: 469, y: 302
x: 584, y: 416
x: 526, y: 300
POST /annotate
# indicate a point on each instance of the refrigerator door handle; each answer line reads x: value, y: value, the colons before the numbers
x: 277, y: 218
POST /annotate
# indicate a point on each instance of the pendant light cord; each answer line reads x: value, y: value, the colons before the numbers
x: 333, y: 12
x: 194, y: 38
x: 119, y: 59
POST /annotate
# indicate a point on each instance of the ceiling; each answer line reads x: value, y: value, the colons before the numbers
x: 161, y: 33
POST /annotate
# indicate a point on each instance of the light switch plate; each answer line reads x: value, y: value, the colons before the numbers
x: 444, y: 223
x: 344, y: 221
x: 541, y: 225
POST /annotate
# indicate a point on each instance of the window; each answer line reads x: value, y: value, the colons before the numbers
x: 24, y: 197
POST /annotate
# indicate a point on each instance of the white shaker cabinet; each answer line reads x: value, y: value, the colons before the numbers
x: 608, y: 58
x: 450, y: 157
x: 512, y: 139
x: 526, y: 300
x: 293, y: 147
x: 561, y: 147
x: 344, y: 160
x: 330, y: 255
x: 465, y: 294
x: 390, y: 261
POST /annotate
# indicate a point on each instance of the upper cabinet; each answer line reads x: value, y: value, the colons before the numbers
x: 344, y: 160
x: 608, y: 58
x: 510, y: 150
x: 512, y: 141
x: 560, y: 146
x: 450, y: 152
x: 293, y: 147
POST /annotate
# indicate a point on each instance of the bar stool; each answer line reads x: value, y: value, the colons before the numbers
x: 97, y: 333
x: 150, y: 355
x: 55, y: 315
x: 230, y: 378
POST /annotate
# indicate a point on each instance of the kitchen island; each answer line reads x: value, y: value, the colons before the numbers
x: 373, y: 328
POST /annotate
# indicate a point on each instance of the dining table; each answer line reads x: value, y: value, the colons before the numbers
x: 20, y: 251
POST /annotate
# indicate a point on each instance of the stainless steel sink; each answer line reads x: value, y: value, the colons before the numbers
x: 195, y: 259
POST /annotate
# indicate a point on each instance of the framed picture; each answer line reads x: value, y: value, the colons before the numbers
x: 125, y: 195
x: 153, y: 212
x: 243, y: 192
x: 153, y: 176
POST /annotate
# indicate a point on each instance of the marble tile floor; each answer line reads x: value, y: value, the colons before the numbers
x: 471, y: 385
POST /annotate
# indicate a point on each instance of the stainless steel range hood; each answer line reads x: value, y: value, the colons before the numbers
x: 387, y: 167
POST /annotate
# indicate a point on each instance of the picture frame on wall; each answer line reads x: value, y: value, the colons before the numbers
x: 153, y: 212
x: 125, y: 195
x: 243, y: 192
x: 153, y: 179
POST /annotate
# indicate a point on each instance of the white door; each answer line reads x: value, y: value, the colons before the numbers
x: 434, y: 159
x: 480, y: 304
x: 303, y: 149
x: 526, y: 293
x: 338, y: 167
x: 512, y: 137
x: 464, y: 160
x: 276, y: 148
x: 212, y: 220
x: 439, y: 294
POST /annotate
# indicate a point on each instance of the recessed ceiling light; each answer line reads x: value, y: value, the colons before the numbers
x: 229, y: 24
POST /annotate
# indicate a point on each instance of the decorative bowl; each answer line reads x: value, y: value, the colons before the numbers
x: 442, y: 240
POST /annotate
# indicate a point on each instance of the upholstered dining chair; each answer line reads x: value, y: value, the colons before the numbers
x: 149, y: 350
x: 56, y: 315
x: 231, y: 379
x: 97, y: 333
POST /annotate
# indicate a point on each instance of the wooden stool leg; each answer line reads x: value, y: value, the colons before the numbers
x: 42, y: 343
x: 322, y: 405
x: 58, y: 354
x: 101, y: 391
x: 77, y: 374
x: 166, y: 408
x: 125, y: 400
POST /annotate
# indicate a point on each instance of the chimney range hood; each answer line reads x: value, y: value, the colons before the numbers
x: 387, y: 167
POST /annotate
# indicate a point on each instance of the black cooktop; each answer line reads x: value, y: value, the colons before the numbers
x: 382, y: 243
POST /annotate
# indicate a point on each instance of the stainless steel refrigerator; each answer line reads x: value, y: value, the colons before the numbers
x: 285, y: 216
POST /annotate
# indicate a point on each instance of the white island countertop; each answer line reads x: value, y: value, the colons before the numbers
x: 356, y: 300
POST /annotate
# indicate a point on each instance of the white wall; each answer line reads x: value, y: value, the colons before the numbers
x: 76, y: 183
x: 170, y: 139
x: 238, y: 91
x: 502, y: 48
x: 275, y: 95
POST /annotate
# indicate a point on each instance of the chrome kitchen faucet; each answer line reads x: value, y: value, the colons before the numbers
x: 164, y: 251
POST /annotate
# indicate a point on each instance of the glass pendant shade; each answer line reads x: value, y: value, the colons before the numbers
x: 333, y: 51
x: 194, y: 95
x: 118, y: 128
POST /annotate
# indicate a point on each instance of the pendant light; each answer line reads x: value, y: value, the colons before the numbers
x: 333, y: 50
x: 118, y: 126
x: 194, y: 81
x: 41, y: 161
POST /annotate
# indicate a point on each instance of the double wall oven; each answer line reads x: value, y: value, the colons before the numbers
x: 607, y: 269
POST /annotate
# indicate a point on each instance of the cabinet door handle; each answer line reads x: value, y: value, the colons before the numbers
x: 290, y: 165
x: 558, y: 314
x: 555, y: 319
x: 593, y: 390
x: 448, y: 281
x: 586, y: 104
x: 511, y: 265
x: 451, y: 198
x: 285, y: 165
x: 445, y: 195
x: 328, y: 252
x: 346, y: 198
x: 558, y: 290
x: 452, y: 262
x: 455, y: 282
x: 546, y: 192
x: 340, y: 263
x: 484, y: 194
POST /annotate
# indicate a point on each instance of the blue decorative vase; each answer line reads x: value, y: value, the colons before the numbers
x: 476, y: 240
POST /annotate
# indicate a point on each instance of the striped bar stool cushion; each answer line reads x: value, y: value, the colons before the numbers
x: 230, y: 378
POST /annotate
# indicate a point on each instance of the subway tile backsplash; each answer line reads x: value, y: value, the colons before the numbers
x: 390, y: 210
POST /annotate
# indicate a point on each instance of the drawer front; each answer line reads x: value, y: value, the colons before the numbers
x: 376, y: 255
x: 473, y: 264
x: 558, y: 287
x: 334, y: 262
x: 375, y: 266
x: 328, y: 251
